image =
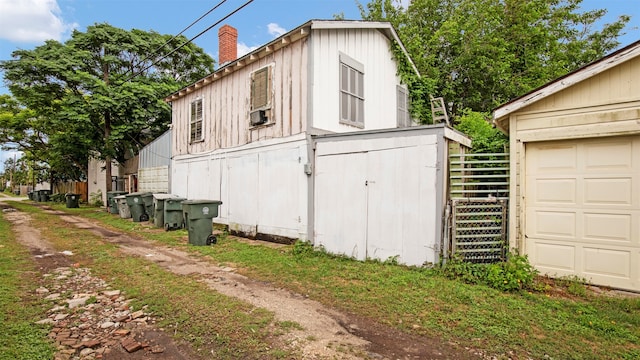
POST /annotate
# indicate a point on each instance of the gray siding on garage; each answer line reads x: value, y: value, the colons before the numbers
x: 154, y: 165
x: 156, y: 153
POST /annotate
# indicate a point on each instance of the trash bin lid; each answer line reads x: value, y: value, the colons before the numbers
x: 120, y: 197
x: 139, y: 193
x: 164, y: 196
x: 199, y: 202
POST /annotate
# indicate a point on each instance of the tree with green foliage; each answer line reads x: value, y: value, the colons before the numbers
x: 485, y: 137
x: 482, y: 53
x: 99, y: 92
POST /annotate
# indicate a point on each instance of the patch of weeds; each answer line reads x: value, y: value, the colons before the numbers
x: 512, y: 275
x: 302, y: 248
x: 290, y: 325
x: 574, y: 285
x: 91, y: 300
x: 457, y: 268
x: 392, y: 260
x: 95, y: 198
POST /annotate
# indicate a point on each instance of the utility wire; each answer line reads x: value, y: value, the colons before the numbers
x: 190, y: 40
x: 180, y: 33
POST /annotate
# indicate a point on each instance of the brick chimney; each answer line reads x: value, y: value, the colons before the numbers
x: 227, y: 44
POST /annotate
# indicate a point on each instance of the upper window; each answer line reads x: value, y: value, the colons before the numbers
x: 402, y: 101
x: 351, y: 91
x: 195, y: 125
x: 260, y: 85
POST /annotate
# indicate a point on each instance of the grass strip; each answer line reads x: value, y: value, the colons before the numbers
x: 20, y: 338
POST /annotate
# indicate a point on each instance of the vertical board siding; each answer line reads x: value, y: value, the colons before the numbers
x: 370, y: 48
x: 377, y: 197
x: 227, y: 104
x: 260, y: 187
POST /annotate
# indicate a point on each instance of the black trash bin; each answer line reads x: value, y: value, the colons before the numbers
x: 72, y: 200
x: 198, y: 215
x: 43, y: 195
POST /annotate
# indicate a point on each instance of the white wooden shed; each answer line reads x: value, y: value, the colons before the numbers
x: 575, y: 172
x: 382, y: 194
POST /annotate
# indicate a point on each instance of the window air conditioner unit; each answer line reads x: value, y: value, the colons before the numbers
x: 258, y: 117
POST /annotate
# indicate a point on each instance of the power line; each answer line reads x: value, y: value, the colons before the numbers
x: 190, y: 40
x: 178, y: 34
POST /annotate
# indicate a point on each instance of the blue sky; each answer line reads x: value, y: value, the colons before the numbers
x: 25, y: 24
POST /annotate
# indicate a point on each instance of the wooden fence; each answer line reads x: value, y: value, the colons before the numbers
x: 74, y: 187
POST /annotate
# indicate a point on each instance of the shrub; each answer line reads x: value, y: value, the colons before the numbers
x: 514, y: 274
x: 511, y: 275
x: 95, y: 198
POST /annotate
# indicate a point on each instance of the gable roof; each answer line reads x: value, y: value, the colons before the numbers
x: 296, y: 34
x: 501, y: 113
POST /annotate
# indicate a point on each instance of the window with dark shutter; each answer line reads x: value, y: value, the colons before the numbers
x: 260, y: 89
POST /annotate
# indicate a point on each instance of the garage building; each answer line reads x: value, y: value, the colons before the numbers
x: 575, y: 172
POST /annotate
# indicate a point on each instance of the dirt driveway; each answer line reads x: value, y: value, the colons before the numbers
x: 327, y: 327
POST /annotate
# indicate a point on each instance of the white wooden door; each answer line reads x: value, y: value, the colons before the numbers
x: 377, y: 204
x: 582, y: 209
x: 242, y: 187
x: 341, y: 204
x: 393, y: 205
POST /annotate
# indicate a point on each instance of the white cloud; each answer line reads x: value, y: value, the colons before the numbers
x: 275, y: 30
x: 244, y: 49
x: 32, y: 20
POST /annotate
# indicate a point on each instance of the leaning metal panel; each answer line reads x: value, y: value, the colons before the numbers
x: 478, y: 229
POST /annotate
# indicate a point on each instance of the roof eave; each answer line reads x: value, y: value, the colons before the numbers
x: 502, y: 112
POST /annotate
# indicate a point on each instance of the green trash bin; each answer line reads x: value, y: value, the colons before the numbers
x: 72, y: 200
x: 198, y: 215
x: 147, y: 199
x: 112, y: 204
x: 158, y: 208
x: 173, y: 216
x: 136, y: 206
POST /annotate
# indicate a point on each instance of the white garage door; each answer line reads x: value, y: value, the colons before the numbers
x: 582, y: 206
